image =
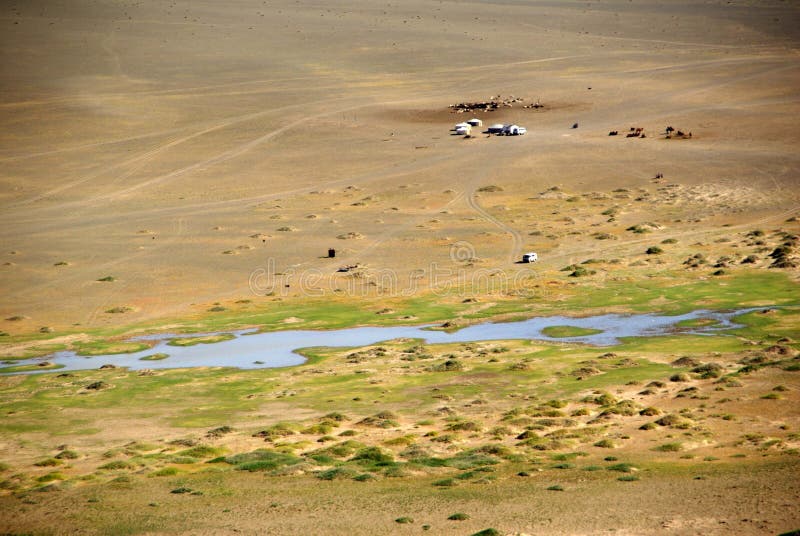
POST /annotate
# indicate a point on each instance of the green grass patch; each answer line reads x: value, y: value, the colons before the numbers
x: 50, y: 477
x: 209, y: 339
x: 621, y: 468
x: 202, y: 451
x: 166, y: 471
x: 34, y: 367
x: 697, y: 323
x: 154, y: 357
x: 262, y: 460
x: 338, y: 473
x: 118, y: 465
x: 677, y: 295
x: 669, y: 447
x: 569, y: 331
x: 96, y: 348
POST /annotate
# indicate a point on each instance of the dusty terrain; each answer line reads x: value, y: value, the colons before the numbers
x: 143, y: 142
x: 187, y: 165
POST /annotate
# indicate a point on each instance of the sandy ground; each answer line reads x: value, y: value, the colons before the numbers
x: 167, y: 145
x: 248, y: 505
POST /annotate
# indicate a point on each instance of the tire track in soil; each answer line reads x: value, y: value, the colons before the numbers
x: 516, y: 237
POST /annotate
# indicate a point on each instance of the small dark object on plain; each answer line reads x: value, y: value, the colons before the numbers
x: 331, y: 253
x: 575, y: 125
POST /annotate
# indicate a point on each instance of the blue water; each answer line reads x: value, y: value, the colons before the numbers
x: 250, y: 349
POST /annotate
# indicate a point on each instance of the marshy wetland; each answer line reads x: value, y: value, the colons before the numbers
x: 427, y: 428
x: 182, y: 354
x: 253, y: 349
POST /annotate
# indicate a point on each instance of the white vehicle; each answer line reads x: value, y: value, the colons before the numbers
x: 514, y: 130
x: 530, y: 257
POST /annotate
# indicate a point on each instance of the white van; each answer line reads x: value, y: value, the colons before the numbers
x: 530, y: 257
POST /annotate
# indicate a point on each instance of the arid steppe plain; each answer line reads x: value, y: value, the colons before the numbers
x: 184, y: 167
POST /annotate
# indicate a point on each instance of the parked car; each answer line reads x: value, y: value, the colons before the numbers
x: 530, y: 257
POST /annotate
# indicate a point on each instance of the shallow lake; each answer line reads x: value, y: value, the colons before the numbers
x: 249, y: 349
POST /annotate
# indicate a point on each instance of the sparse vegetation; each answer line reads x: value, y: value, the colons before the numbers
x: 208, y: 158
x: 669, y: 447
x: 569, y: 331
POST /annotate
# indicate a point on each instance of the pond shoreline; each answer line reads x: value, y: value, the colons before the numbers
x: 252, y: 348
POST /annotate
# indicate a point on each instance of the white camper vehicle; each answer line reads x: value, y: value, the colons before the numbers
x: 514, y: 130
x: 530, y: 257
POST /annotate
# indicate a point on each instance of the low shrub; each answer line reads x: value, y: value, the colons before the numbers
x: 680, y: 377
x: 669, y: 447
x: 220, y: 431
x: 201, y: 451
x: 621, y: 468
x: 117, y: 465
x: 337, y: 473
x: 275, y: 431
x: 372, y: 455
x: 463, y: 426
x: 50, y: 477
x: 166, y: 471
x: 262, y: 460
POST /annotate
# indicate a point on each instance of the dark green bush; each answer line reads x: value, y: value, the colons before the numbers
x: 373, y: 455
x: 262, y: 460
x: 458, y: 516
x: 337, y: 473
